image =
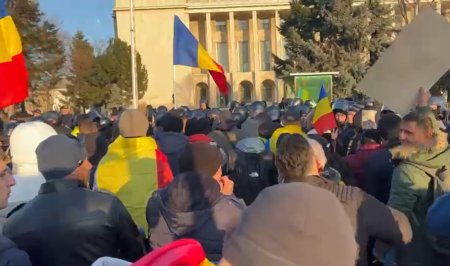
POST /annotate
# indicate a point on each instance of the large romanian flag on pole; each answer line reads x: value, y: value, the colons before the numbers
x: 323, y: 119
x: 187, y: 51
x: 13, y: 73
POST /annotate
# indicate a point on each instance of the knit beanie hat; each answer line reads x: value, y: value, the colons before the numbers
x: 200, y: 157
x: 302, y: 225
x: 133, y: 123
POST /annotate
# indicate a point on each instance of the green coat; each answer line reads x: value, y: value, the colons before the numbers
x: 410, y: 195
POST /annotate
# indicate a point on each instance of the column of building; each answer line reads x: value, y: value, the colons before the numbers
x: 209, y: 48
x: 255, y: 55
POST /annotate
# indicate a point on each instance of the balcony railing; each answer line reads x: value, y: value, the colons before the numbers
x: 194, y: 3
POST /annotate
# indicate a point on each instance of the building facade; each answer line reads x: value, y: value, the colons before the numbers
x: 241, y: 35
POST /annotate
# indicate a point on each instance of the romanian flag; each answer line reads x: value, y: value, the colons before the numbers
x: 187, y: 51
x: 13, y: 73
x: 323, y: 119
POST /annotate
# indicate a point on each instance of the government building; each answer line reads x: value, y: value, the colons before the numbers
x: 241, y: 35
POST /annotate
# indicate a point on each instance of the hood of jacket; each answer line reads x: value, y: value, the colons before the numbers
x: 23, y: 143
x: 433, y: 156
x: 251, y: 145
x: 171, y: 142
x: 187, y: 214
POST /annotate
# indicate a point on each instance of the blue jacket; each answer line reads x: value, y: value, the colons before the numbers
x: 10, y: 255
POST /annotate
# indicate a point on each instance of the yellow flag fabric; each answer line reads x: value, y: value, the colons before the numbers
x: 129, y: 171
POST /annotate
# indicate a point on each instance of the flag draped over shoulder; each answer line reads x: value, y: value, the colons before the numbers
x: 188, y: 51
x: 323, y: 119
x: 13, y: 73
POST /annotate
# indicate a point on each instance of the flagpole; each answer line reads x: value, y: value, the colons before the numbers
x: 133, y: 57
x: 173, y: 88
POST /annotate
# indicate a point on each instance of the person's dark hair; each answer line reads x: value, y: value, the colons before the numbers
x: 191, y: 191
x: 171, y: 123
x: 197, y: 126
x: 371, y: 136
x: 294, y: 155
x: 422, y: 121
x: 389, y: 125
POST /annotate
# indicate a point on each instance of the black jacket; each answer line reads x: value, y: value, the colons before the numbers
x: 67, y: 224
x: 172, y: 145
x: 378, y: 175
x: 10, y: 255
x: 209, y: 226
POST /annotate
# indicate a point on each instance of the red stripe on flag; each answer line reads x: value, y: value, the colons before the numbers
x: 13, y: 81
x: 324, y: 123
x: 220, y: 80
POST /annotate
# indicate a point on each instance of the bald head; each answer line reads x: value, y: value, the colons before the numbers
x: 319, y: 154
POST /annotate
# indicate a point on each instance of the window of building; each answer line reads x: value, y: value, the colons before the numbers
x: 222, y: 54
x: 246, y: 91
x: 264, y: 23
x: 202, y: 91
x: 267, y: 90
x: 221, y: 26
x: 243, y: 25
x: 244, y: 60
x: 223, y: 100
x: 265, y: 55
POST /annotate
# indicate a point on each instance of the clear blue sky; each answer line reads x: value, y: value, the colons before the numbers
x: 93, y: 17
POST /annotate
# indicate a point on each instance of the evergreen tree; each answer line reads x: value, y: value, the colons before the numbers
x: 81, y: 91
x: 113, y: 66
x: 334, y: 36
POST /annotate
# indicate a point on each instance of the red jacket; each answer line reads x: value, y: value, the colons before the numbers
x: 357, y: 161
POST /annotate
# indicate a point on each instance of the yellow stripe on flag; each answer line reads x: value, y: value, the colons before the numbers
x: 323, y: 107
x: 10, y: 44
x: 205, y: 61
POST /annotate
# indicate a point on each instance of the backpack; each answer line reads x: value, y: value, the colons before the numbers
x: 253, y: 173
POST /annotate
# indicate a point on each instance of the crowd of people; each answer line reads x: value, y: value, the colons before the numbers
x: 250, y: 184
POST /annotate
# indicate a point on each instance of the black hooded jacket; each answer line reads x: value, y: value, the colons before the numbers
x: 192, y: 208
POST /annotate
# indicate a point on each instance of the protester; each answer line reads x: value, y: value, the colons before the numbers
x: 291, y: 125
x: 255, y: 169
x: 423, y: 151
x: 438, y: 219
x: 54, y: 119
x: 66, y: 116
x: 95, y: 143
x: 198, y: 130
x: 23, y: 142
x: 9, y: 254
x: 370, y: 143
x: 71, y: 225
x: 379, y: 167
x: 292, y: 224
x: 250, y: 126
x: 194, y: 206
x: 226, y: 139
x: 297, y: 162
x: 133, y: 167
x: 170, y: 140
